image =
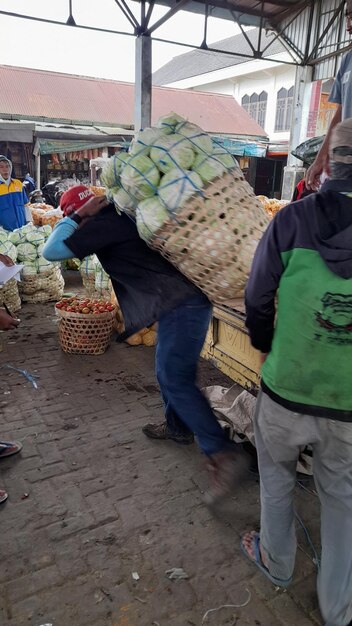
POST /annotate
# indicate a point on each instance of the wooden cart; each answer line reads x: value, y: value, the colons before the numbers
x: 227, y: 346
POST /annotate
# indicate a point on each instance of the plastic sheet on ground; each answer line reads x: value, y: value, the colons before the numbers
x: 235, y: 412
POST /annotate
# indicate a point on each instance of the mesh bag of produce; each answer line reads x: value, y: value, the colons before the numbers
x: 192, y: 204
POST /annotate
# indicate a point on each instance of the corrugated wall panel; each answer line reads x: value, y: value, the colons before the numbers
x: 310, y: 28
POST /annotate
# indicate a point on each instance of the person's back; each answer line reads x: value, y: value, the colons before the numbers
x: 305, y: 259
x: 310, y: 360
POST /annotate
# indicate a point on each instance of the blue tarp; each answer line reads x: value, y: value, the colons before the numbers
x: 240, y: 147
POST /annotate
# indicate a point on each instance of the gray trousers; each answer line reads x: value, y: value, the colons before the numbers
x: 280, y: 434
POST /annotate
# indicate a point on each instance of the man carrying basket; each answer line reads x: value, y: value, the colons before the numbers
x: 150, y: 289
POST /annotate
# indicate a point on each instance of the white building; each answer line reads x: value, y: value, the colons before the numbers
x: 263, y: 87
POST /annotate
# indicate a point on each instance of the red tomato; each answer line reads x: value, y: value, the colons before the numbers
x: 85, y: 310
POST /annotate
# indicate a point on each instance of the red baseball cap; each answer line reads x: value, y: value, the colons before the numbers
x: 74, y: 198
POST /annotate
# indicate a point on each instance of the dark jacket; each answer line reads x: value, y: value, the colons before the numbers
x: 146, y: 285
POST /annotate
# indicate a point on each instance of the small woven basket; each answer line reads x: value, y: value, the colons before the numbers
x: 85, y: 334
x: 213, y: 237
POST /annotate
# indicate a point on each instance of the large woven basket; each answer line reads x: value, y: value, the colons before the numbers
x: 85, y: 334
x: 213, y: 237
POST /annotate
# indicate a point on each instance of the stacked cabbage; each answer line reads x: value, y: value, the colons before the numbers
x: 96, y: 281
x: 165, y: 165
x: 41, y: 281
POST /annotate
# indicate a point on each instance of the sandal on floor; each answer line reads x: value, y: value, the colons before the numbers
x: 7, y: 448
x: 257, y: 560
x: 3, y: 495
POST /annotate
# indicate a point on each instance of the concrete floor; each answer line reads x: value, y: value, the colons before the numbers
x: 92, y: 501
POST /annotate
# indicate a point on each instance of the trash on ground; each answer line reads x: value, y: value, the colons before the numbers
x: 135, y: 575
x: 227, y: 606
x: 30, y: 377
x: 176, y: 573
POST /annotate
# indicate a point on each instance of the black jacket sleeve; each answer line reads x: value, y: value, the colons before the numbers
x: 261, y: 289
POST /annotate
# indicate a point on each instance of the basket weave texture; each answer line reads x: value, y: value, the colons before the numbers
x: 43, y: 287
x: 9, y: 295
x: 213, y: 237
x: 85, y: 334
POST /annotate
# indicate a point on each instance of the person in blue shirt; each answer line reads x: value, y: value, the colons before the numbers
x: 13, y: 198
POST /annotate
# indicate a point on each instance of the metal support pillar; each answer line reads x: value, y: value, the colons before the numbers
x: 37, y: 170
x: 300, y: 111
x: 143, y: 82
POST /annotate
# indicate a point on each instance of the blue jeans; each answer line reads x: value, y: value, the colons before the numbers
x: 181, y: 335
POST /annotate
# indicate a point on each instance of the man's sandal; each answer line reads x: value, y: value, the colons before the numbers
x: 257, y: 560
x: 8, y: 448
x: 3, y: 495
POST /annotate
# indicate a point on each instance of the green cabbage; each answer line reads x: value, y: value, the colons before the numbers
x: 169, y: 122
x: 177, y: 186
x: 46, y: 230
x: 44, y: 265
x: 143, y: 140
x: 201, y: 141
x: 30, y: 268
x: 172, y: 151
x: 208, y: 168
x: 110, y: 176
x: 4, y: 235
x: 40, y: 249
x: 9, y: 249
x: 124, y: 202
x: 26, y: 252
x: 140, y: 177
x: 35, y: 237
x: 151, y: 215
x: 16, y: 237
x: 224, y: 157
x: 89, y: 264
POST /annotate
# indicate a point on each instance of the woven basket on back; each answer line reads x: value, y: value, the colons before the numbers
x: 85, y: 334
x: 213, y: 237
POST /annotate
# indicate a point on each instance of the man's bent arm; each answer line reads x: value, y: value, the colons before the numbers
x: 55, y: 248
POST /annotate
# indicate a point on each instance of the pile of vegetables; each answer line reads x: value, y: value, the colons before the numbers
x: 97, y: 283
x: 272, y: 205
x: 45, y: 214
x: 41, y: 281
x: 85, y: 306
x: 85, y: 325
x: 145, y: 337
x: 165, y: 166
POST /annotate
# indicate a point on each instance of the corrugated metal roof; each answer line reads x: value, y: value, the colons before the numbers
x: 40, y: 95
x: 198, y: 62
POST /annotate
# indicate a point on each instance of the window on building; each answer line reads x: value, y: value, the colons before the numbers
x: 284, y: 106
x: 245, y: 103
x: 255, y: 105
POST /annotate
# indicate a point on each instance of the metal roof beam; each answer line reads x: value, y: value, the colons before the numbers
x: 167, y: 16
x: 124, y: 8
x: 326, y: 30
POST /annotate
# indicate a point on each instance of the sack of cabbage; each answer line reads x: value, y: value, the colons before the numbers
x: 190, y: 202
